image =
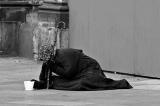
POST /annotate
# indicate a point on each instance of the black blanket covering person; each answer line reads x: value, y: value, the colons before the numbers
x: 78, y: 72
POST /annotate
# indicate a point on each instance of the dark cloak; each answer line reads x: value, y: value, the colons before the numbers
x: 76, y: 71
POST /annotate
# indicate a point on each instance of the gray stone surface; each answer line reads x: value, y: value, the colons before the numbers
x: 13, y: 71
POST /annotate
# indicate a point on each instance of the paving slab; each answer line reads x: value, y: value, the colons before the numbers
x: 15, y: 70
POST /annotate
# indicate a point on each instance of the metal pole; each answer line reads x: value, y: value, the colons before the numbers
x: 57, y: 37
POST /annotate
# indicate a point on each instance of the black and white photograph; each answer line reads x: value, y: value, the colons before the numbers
x: 79, y: 52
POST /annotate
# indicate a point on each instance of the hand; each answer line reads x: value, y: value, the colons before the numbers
x: 33, y: 80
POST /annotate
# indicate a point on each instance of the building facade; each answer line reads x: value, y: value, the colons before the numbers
x: 28, y: 24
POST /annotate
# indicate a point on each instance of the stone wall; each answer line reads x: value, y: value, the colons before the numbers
x: 29, y: 28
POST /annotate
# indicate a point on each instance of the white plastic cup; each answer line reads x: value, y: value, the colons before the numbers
x: 28, y: 85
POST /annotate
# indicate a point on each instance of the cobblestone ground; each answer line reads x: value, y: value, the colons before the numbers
x: 15, y: 70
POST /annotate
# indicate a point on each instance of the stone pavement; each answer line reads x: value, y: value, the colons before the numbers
x: 15, y: 70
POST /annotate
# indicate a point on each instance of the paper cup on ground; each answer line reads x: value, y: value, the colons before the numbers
x: 28, y: 85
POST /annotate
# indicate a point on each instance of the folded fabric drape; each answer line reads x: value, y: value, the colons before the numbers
x: 79, y: 72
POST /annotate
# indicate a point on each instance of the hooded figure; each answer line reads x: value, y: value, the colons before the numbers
x: 76, y: 71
